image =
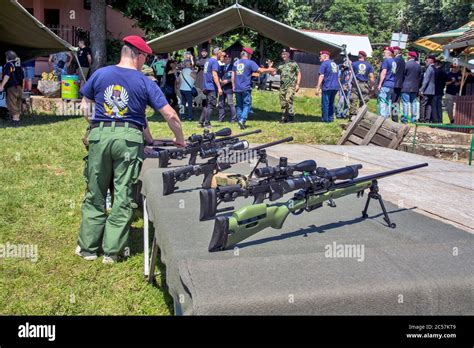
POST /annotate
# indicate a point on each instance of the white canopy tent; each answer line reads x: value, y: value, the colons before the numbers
x: 239, y: 16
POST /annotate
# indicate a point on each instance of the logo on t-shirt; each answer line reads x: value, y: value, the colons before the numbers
x: 333, y: 67
x: 394, y: 67
x: 240, y: 68
x: 361, y: 70
x: 116, y: 101
x: 205, y: 67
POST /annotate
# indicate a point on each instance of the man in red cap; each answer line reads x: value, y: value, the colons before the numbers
x: 397, y: 88
x: 363, y: 71
x: 387, y: 82
x: 411, y: 86
x: 328, y: 81
x: 242, y: 84
x: 118, y: 130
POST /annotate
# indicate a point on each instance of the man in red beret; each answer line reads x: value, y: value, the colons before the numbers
x: 118, y: 131
x: 242, y: 84
x: 397, y: 88
x: 363, y: 71
x: 386, y: 82
x: 328, y: 81
x: 411, y: 86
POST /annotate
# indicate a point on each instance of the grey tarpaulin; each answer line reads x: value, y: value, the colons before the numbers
x: 287, y: 272
x: 234, y: 17
x: 24, y: 34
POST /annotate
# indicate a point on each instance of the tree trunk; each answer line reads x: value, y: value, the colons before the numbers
x: 98, y: 34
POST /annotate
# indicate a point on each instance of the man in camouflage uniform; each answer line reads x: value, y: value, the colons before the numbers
x: 290, y: 77
x: 364, y: 73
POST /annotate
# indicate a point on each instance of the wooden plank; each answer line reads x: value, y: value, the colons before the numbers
x: 366, y: 124
x: 399, y: 137
x: 360, y: 132
x: 386, y: 133
x: 347, y: 133
x: 368, y: 137
x: 355, y: 140
x: 380, y: 140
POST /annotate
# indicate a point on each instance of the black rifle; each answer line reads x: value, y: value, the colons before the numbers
x: 200, y: 142
x: 267, y: 187
x: 219, y: 159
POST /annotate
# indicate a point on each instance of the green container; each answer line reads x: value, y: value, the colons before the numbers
x: 70, y: 86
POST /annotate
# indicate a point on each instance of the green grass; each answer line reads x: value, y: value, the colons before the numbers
x: 40, y: 199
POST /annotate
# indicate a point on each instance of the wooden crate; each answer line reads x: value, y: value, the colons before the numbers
x: 370, y: 129
x: 464, y: 112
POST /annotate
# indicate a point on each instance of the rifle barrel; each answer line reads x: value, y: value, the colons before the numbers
x: 273, y: 143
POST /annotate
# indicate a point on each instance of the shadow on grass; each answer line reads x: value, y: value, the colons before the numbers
x: 35, y: 120
x: 136, y: 247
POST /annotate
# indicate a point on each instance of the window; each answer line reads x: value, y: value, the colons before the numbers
x: 51, y: 17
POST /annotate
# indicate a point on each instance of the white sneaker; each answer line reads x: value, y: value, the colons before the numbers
x: 108, y: 259
x: 85, y: 255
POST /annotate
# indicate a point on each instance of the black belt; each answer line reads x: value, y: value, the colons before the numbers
x: 117, y: 124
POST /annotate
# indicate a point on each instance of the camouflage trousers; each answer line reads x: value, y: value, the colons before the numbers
x: 356, y: 99
x: 286, y: 101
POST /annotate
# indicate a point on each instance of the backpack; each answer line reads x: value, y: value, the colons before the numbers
x: 16, y: 79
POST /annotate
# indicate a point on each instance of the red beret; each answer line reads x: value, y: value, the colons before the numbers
x: 362, y: 53
x: 396, y: 48
x: 412, y: 54
x: 248, y: 50
x: 325, y: 52
x: 138, y: 43
x: 387, y: 48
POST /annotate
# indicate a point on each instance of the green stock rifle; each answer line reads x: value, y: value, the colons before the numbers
x: 219, y: 159
x: 198, y: 143
x: 313, y: 191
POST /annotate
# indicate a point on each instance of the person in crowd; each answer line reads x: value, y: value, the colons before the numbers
x: 158, y: 67
x: 242, y: 83
x: 397, y: 88
x: 410, y: 87
x: 328, y: 82
x: 186, y: 83
x: 364, y: 73
x: 60, y: 62
x: 290, y: 78
x: 262, y: 79
x: 211, y: 87
x: 118, y: 132
x: 170, y: 85
x: 227, y: 96
x: 84, y: 56
x: 12, y: 83
x: 453, y: 84
x: 200, y: 64
x: 428, y: 91
x: 29, y: 73
x: 386, y: 84
x: 440, y: 84
x: 345, y: 91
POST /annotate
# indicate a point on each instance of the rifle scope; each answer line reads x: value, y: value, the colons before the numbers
x: 343, y: 173
x: 214, y: 151
x: 278, y: 171
x: 198, y: 138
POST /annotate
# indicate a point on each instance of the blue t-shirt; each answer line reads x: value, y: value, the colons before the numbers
x: 330, y: 71
x: 211, y: 65
x: 122, y: 94
x: 362, y: 70
x: 391, y: 65
x: 243, y: 69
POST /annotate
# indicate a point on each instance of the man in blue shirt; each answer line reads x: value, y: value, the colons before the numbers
x: 363, y: 71
x: 118, y: 129
x: 242, y: 83
x: 387, y: 82
x: 211, y: 87
x: 328, y: 80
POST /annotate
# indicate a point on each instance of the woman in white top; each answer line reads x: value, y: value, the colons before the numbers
x: 186, y: 84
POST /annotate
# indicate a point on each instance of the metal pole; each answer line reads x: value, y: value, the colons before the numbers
x: 146, y: 261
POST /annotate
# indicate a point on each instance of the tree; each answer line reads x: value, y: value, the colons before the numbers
x: 98, y: 34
